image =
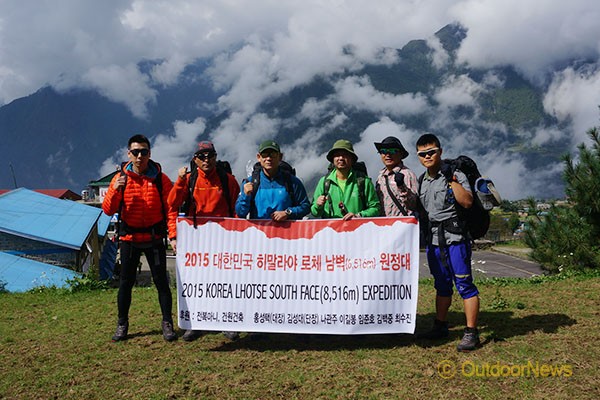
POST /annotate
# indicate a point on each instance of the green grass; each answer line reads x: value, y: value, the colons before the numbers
x: 57, y: 345
x: 515, y: 243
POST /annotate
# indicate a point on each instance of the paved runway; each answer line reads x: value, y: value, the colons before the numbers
x: 492, y: 264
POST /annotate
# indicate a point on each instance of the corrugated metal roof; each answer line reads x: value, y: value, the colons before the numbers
x: 103, y: 224
x: 21, y: 274
x: 36, y: 216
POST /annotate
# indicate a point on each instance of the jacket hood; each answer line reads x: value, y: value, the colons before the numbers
x: 152, y: 172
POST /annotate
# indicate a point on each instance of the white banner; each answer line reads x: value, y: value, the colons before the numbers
x: 312, y: 276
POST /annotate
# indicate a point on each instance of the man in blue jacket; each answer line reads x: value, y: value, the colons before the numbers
x: 273, y: 193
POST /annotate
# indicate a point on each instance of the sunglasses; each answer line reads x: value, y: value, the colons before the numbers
x: 391, y: 151
x: 137, y: 152
x: 270, y: 153
x: 205, y: 156
x: 426, y: 153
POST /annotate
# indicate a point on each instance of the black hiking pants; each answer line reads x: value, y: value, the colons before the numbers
x: 156, y: 256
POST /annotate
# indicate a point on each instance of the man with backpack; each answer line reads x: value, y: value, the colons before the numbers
x: 444, y: 192
x: 396, y: 185
x: 139, y: 195
x: 346, y: 191
x: 208, y: 189
x: 272, y: 192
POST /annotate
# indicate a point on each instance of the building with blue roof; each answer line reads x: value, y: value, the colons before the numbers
x: 19, y: 274
x: 53, y: 232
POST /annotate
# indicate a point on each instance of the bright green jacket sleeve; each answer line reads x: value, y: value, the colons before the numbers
x: 314, y: 209
x: 373, y: 206
x: 349, y: 197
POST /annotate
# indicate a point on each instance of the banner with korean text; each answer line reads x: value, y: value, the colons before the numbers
x: 311, y: 276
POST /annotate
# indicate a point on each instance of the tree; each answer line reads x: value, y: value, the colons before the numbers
x: 568, y: 237
x: 583, y: 182
x: 513, y: 222
x: 508, y: 206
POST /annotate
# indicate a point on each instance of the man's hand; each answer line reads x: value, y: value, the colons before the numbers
x: 182, y: 172
x: 349, y: 216
x: 279, y: 216
x: 248, y: 187
x: 321, y: 200
x: 173, y: 243
x: 119, y: 182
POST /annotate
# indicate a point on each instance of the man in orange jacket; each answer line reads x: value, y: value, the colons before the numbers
x: 139, y: 194
x: 213, y: 194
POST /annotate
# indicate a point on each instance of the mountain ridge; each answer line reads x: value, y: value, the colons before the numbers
x: 60, y: 139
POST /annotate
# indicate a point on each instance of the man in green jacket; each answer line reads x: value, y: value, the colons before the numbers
x: 345, y: 192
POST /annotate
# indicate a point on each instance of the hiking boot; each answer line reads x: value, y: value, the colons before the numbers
x: 438, y: 331
x: 470, y: 340
x: 191, y: 335
x: 121, y: 332
x: 168, y: 332
x: 232, y: 335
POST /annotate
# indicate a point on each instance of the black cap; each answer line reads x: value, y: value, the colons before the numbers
x: 392, y: 142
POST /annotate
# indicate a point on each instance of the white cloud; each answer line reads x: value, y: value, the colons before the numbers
x: 237, y: 138
x: 171, y: 151
x: 458, y: 91
x: 122, y: 84
x: 357, y: 92
x: 515, y: 181
x: 304, y: 153
x: 533, y: 35
x: 575, y: 96
x: 439, y: 56
x: 315, y: 110
x: 544, y: 136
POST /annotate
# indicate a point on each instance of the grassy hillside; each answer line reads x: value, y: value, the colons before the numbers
x: 543, y: 332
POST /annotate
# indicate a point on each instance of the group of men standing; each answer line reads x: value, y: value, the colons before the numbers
x: 148, y: 204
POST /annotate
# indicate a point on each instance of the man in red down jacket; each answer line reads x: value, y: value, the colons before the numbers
x: 139, y: 194
x: 215, y: 192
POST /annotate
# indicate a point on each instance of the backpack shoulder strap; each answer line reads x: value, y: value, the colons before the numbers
x: 420, y: 182
x: 393, y: 197
x: 326, y: 185
x: 255, y: 179
x: 327, y: 182
x: 192, y: 181
x: 159, y: 188
x: 224, y: 177
x: 360, y: 180
x: 122, y: 202
x: 289, y: 187
x: 123, y: 174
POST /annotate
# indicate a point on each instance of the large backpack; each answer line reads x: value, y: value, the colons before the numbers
x: 476, y: 219
x: 360, y: 170
x: 286, y: 170
x: 223, y: 169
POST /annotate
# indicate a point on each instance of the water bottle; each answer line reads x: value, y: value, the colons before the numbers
x: 450, y: 196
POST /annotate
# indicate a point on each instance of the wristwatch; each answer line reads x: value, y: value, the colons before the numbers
x: 288, y: 212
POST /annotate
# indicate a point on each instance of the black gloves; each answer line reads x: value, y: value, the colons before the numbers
x: 448, y: 171
x: 399, y: 179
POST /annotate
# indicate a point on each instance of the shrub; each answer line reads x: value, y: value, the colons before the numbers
x: 569, y: 237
